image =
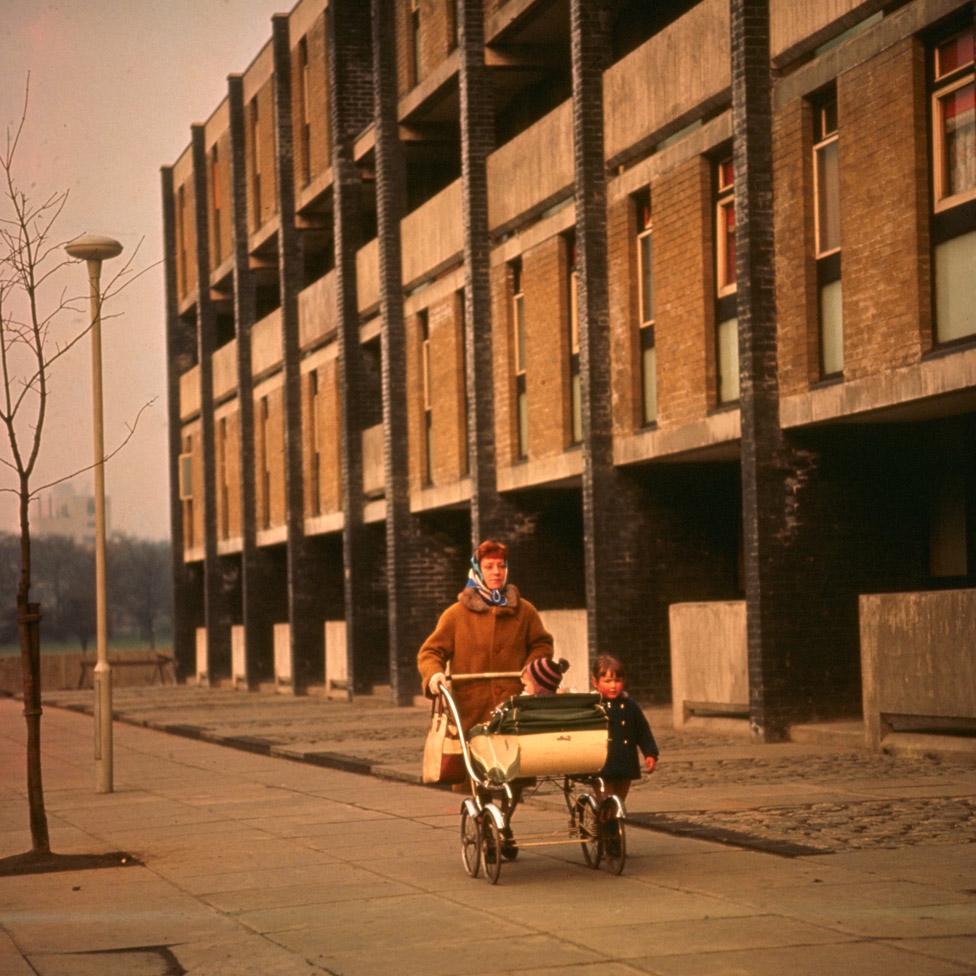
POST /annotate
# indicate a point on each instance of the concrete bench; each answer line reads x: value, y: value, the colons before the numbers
x: 158, y: 662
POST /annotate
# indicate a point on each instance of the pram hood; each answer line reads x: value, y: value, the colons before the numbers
x: 532, y: 714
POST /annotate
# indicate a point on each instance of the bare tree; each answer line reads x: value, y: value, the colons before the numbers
x: 38, y: 327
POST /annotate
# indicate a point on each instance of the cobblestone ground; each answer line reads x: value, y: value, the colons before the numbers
x: 375, y: 731
x: 852, y: 826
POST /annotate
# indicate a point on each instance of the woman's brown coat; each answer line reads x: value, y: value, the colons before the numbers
x: 475, y: 637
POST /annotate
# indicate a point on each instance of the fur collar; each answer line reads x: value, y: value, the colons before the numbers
x: 470, y: 599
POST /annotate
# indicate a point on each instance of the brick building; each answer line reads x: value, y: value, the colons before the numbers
x: 677, y: 298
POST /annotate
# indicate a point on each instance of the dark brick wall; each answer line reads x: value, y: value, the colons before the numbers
x: 180, y: 355
x: 218, y: 612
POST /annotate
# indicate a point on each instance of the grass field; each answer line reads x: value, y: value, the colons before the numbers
x: 121, y: 645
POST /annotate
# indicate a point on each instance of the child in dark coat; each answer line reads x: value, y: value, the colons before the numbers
x: 628, y: 732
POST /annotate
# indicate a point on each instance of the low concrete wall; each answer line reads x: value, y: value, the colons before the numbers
x: 918, y: 660
x: 283, y: 679
x: 224, y: 363
x: 317, y: 309
x: 709, y: 659
x: 190, y: 393
x: 61, y: 671
x: 794, y: 20
x: 336, y: 660
x: 676, y: 86
x: 432, y: 235
x: 266, y: 343
x: 568, y: 629
x: 202, y: 666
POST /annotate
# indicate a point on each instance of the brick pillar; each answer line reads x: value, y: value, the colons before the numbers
x: 422, y: 568
x: 614, y: 530
x: 307, y: 637
x: 257, y: 613
x: 217, y: 607
x: 491, y: 515
x: 350, y: 88
x: 778, y: 623
x: 180, y: 356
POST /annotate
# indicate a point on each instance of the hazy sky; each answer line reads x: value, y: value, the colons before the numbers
x: 115, y: 85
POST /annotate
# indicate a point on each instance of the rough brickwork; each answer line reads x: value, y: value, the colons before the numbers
x: 228, y: 474
x: 546, y: 287
x: 185, y: 231
x: 221, y: 239
x: 180, y: 355
x: 684, y: 293
x: 310, y: 105
x: 436, y: 40
x: 503, y: 382
x: 257, y: 612
x: 796, y: 270
x: 624, y: 339
x: 447, y: 389
x: 263, y: 209
x: 217, y: 611
x: 887, y: 310
x: 350, y: 110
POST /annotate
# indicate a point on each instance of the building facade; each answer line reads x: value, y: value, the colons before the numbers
x: 677, y: 299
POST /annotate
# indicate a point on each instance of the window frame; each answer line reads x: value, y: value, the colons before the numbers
x: 943, y: 83
x: 575, y: 380
x: 646, y: 338
x: 518, y: 360
x: 724, y: 200
x: 426, y: 400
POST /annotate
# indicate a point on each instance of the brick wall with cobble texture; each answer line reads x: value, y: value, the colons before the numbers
x: 186, y: 239
x: 684, y: 293
x: 796, y: 271
x: 319, y: 145
x: 624, y: 337
x: 882, y: 189
x: 546, y: 288
x: 265, y: 155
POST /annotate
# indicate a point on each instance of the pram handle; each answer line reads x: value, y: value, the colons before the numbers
x: 483, y: 676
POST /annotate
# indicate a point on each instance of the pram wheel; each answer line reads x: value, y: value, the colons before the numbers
x: 491, y: 849
x: 588, y: 825
x: 470, y: 843
x: 613, y: 836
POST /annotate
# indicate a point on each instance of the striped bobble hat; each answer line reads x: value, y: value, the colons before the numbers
x: 548, y: 673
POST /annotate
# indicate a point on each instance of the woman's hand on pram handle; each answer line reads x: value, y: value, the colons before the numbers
x: 435, y: 683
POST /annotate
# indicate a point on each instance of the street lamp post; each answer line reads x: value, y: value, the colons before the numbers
x: 94, y: 250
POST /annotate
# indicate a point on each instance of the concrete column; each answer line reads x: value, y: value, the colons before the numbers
x: 217, y: 609
x: 307, y: 639
x: 614, y: 525
x: 180, y: 356
x: 256, y: 607
x: 350, y: 88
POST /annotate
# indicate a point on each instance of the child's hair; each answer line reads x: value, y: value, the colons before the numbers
x: 608, y: 664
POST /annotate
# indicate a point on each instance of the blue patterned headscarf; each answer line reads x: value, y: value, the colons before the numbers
x: 476, y: 581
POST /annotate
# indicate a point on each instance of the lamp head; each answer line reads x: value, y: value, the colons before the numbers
x: 93, y: 247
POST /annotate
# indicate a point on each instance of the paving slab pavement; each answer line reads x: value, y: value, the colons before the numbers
x: 251, y: 863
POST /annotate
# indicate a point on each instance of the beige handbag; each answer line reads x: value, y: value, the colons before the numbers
x: 443, y: 762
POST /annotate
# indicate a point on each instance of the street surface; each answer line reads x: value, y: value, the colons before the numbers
x: 764, y: 860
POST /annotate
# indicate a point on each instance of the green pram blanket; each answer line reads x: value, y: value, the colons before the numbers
x: 527, y: 714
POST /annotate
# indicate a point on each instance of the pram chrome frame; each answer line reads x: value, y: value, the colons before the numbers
x: 596, y: 819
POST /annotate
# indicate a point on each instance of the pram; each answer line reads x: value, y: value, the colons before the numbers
x: 528, y: 742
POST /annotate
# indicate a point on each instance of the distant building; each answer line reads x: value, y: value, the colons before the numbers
x: 66, y: 512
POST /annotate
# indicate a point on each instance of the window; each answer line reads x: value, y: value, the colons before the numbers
x: 461, y: 316
x: 518, y: 358
x: 453, y: 25
x: 181, y: 238
x: 426, y: 385
x: 315, y: 457
x: 215, y: 194
x: 224, y: 525
x: 255, y: 165
x: 414, y: 28
x: 575, y: 391
x: 645, y: 305
x: 304, y: 128
x: 186, y: 491
x: 265, y: 471
x: 826, y: 191
x: 727, y: 327
x: 953, y: 83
